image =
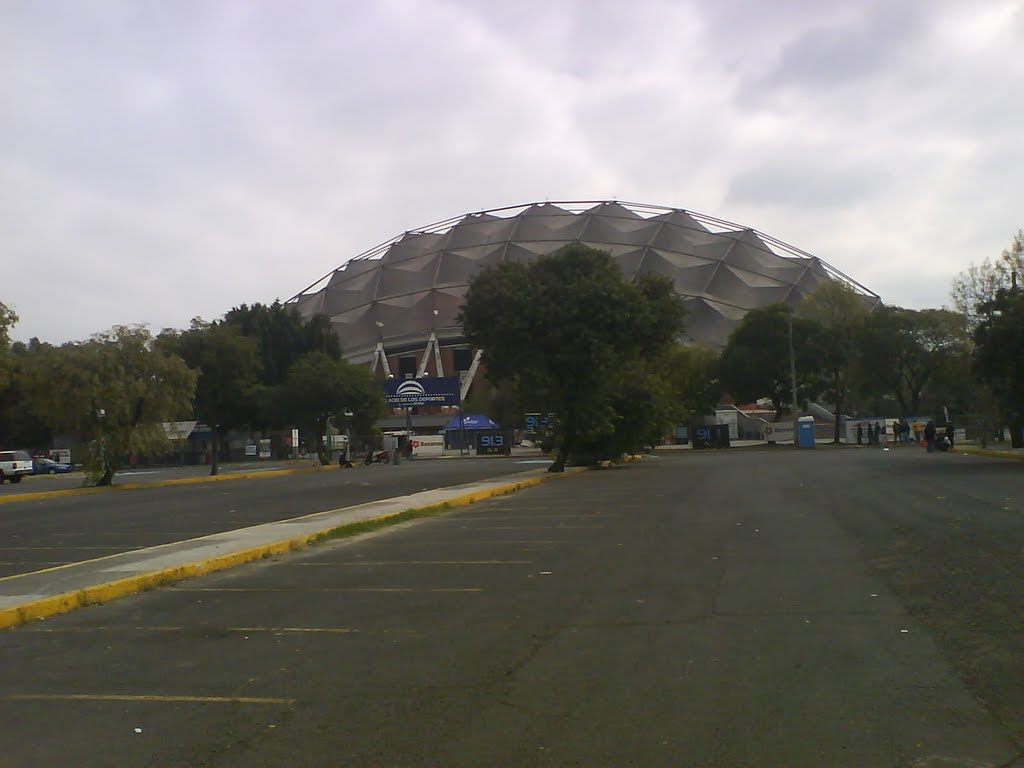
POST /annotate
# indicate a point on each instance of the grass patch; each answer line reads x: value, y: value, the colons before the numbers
x: 367, y: 526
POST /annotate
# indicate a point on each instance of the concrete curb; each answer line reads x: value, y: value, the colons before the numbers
x: 42, y: 606
x: 35, y: 495
x: 989, y: 452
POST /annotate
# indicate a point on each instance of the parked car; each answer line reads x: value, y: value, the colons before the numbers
x: 14, y: 465
x: 43, y: 466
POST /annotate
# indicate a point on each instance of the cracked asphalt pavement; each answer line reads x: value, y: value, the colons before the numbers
x: 847, y: 607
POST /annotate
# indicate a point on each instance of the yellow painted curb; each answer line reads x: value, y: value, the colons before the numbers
x: 987, y: 452
x: 35, y: 495
x: 102, y: 593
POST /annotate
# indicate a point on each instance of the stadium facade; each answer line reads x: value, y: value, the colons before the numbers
x: 395, y: 306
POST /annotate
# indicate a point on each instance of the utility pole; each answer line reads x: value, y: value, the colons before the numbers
x: 792, y: 380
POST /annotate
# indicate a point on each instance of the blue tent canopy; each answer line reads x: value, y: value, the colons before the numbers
x: 472, y: 421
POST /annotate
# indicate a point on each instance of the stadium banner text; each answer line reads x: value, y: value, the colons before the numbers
x: 430, y: 390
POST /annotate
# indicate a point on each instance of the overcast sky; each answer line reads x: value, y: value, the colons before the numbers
x: 166, y: 159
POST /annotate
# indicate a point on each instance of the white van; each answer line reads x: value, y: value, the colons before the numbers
x: 14, y: 465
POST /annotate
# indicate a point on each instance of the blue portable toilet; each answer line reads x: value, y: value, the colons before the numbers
x: 805, y: 429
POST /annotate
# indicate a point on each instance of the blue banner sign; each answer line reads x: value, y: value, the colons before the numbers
x: 430, y: 390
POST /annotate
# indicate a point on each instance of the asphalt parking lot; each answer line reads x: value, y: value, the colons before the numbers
x: 49, y: 532
x: 841, y: 608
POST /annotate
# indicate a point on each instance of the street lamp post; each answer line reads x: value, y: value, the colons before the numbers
x: 792, y: 382
x: 463, y: 448
x: 348, y: 437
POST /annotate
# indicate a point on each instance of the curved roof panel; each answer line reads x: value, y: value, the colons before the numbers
x: 413, y: 285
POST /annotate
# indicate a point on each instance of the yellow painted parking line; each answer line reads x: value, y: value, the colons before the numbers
x: 485, y: 518
x: 327, y: 630
x: 970, y: 450
x: 252, y: 630
x: 446, y: 542
x: 538, y: 527
x: 326, y: 589
x: 193, y: 534
x: 48, y: 549
x: 418, y: 562
x: 84, y: 630
x: 33, y: 562
x: 154, y: 698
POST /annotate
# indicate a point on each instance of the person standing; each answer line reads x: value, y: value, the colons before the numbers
x: 950, y: 432
x: 895, y: 431
x: 917, y: 431
x: 860, y: 433
x: 929, y: 436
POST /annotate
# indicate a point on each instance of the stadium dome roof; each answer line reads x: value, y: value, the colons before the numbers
x: 404, y: 289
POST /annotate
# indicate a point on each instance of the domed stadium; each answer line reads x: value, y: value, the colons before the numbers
x: 403, y: 296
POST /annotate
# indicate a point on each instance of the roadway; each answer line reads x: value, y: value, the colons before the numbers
x: 48, y: 532
x: 847, y: 607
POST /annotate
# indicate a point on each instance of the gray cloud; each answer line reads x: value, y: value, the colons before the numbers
x: 171, y: 159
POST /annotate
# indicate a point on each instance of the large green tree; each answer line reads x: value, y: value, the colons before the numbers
x: 999, y: 355
x: 908, y: 354
x: 114, y: 391
x: 20, y: 423
x: 8, y: 319
x: 839, y: 311
x: 693, y: 376
x: 755, y: 360
x: 321, y: 388
x: 228, y: 366
x: 563, y: 330
x: 283, y: 335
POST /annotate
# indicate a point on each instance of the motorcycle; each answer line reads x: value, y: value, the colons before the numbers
x: 377, y: 457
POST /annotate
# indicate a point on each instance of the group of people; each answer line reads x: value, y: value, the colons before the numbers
x: 902, y: 429
x: 926, y: 434
x: 874, y: 433
x: 938, y: 441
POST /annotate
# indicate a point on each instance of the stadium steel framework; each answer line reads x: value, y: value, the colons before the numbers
x: 404, y: 295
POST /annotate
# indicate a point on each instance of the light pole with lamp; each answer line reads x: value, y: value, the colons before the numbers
x: 347, y: 454
x: 792, y: 382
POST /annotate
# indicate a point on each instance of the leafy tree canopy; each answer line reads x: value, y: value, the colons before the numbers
x: 839, y: 312
x: 755, y: 361
x: 8, y: 319
x: 563, y: 328
x: 903, y: 352
x: 228, y: 366
x: 693, y: 373
x: 114, y: 390
x: 283, y: 335
x: 321, y: 387
x: 999, y: 355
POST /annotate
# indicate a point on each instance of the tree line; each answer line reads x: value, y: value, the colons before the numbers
x: 260, y: 367
x: 567, y: 334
